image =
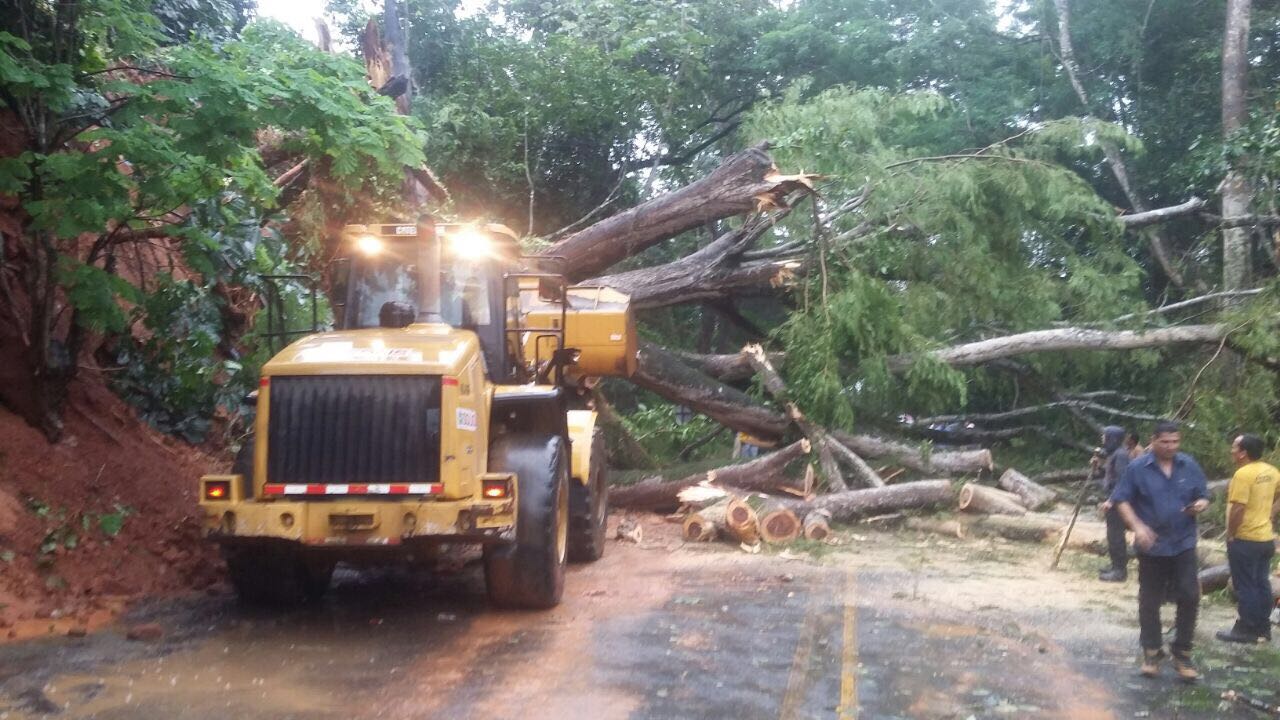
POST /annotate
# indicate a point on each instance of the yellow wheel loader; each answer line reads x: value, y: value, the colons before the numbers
x: 440, y: 410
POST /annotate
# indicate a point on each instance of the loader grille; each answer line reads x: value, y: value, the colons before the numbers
x: 354, y: 429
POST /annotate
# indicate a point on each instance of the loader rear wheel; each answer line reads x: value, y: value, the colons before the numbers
x: 276, y: 577
x: 589, y: 507
x: 529, y: 572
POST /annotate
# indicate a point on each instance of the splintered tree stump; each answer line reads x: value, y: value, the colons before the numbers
x: 982, y: 499
x: 1034, y: 496
x: 817, y: 525
x: 706, y: 524
x: 741, y: 522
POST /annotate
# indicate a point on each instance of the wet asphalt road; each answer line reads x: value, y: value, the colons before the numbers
x: 647, y: 633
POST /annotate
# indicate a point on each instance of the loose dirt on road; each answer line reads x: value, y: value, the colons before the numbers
x: 886, y: 625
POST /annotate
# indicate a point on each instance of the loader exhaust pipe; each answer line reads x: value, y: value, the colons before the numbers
x: 428, y: 271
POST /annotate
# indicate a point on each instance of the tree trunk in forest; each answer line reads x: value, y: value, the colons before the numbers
x: 1064, y: 339
x: 982, y: 499
x: 1237, y: 243
x: 745, y: 182
x: 767, y: 473
x: 1033, y: 496
x: 1115, y: 161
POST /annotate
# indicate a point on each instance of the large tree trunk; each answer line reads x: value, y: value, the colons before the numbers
x: 1034, y: 496
x: 715, y: 272
x: 982, y: 499
x: 1064, y: 339
x: 664, y: 374
x: 850, y: 504
x: 745, y: 182
x: 1115, y: 161
x: 1236, y: 242
x: 948, y: 462
x: 767, y: 473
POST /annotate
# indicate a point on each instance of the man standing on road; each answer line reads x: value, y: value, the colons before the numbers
x: 1115, y: 462
x: 1250, y: 540
x: 1159, y: 498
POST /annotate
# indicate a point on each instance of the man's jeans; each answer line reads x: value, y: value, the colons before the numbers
x: 1116, y: 546
x: 1251, y: 575
x: 1175, y: 578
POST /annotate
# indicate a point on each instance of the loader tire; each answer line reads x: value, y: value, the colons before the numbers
x: 529, y: 572
x: 276, y: 577
x: 589, y: 506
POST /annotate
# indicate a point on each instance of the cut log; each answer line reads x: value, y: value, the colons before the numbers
x: 741, y: 522
x: 778, y: 523
x: 1213, y: 579
x: 983, y: 499
x: 745, y: 182
x: 766, y: 473
x: 950, y: 528
x: 845, y: 506
x: 1033, y: 496
x: 1030, y: 527
x: 939, y: 461
x: 706, y: 524
x: 817, y: 525
x: 1060, y: 476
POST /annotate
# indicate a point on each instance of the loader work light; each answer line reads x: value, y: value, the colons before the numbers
x: 217, y: 490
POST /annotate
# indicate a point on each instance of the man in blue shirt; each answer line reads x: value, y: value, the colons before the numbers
x: 1159, y: 497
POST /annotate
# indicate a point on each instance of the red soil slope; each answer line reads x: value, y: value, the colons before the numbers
x: 66, y: 498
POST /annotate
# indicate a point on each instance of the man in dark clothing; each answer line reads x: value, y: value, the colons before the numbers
x: 1115, y: 462
x: 1159, y: 497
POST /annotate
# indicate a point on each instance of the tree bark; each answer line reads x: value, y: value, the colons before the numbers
x: 817, y: 525
x: 1213, y: 579
x: 1065, y: 339
x: 1033, y: 496
x: 982, y: 499
x: 1236, y: 242
x: 664, y: 374
x: 716, y: 272
x: 1115, y: 161
x: 706, y: 524
x: 850, y: 504
x: 939, y: 461
x: 745, y: 182
x: 767, y: 473
x: 735, y: 367
x: 1161, y: 215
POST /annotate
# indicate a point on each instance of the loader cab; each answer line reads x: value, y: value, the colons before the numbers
x: 377, y: 283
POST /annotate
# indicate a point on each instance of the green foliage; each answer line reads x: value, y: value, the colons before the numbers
x: 659, y: 432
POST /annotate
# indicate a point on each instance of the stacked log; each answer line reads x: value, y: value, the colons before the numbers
x: 817, y: 525
x: 1033, y: 495
x: 981, y: 499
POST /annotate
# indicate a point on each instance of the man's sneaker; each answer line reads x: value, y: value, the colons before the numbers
x: 1151, y: 662
x: 1115, y: 575
x: 1185, y: 668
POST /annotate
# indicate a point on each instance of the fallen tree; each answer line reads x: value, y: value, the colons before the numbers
x: 845, y: 506
x: 767, y: 473
x: 745, y: 182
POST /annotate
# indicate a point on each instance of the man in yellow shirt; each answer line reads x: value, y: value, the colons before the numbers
x: 1251, y: 501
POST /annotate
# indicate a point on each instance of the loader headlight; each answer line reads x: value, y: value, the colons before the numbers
x: 370, y: 245
x: 469, y: 244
